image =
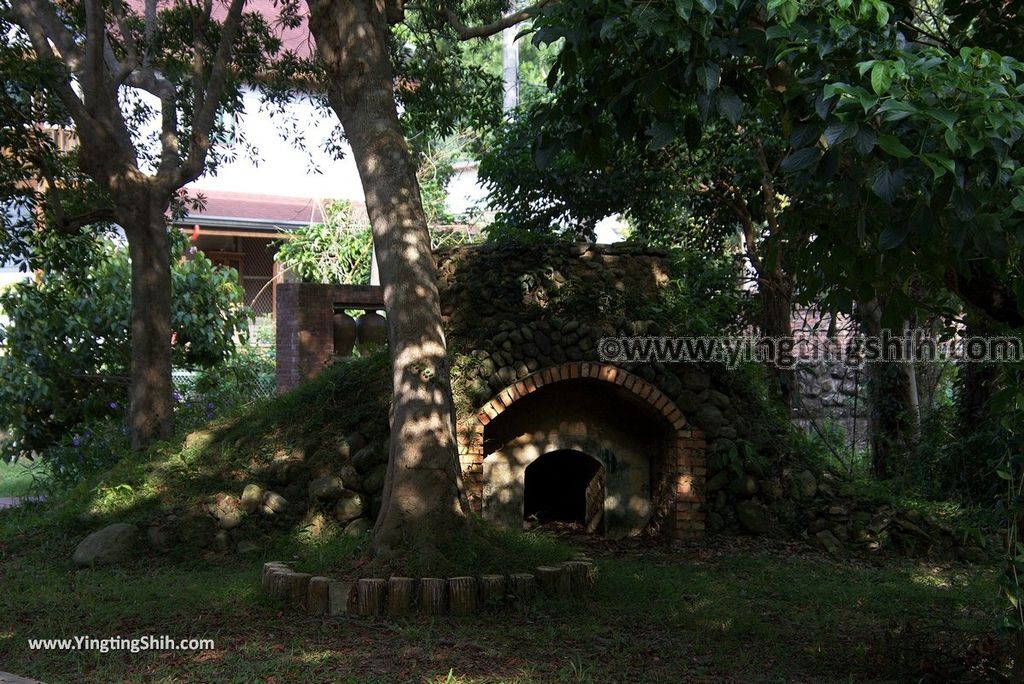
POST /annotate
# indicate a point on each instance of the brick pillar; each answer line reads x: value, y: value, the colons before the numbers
x: 287, y: 335
x: 471, y: 461
x: 305, y: 338
x: 689, y: 450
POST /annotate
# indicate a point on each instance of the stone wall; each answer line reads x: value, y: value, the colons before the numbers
x: 522, y: 318
x: 513, y: 313
x: 832, y: 394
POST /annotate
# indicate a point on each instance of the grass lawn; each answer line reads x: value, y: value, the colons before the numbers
x: 16, y: 478
x: 730, y: 610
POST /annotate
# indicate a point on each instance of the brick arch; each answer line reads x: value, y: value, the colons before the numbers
x: 686, y: 448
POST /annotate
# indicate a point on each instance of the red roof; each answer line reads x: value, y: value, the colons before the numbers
x: 264, y: 209
x: 238, y: 205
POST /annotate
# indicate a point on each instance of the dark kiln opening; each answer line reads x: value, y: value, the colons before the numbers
x: 565, y: 486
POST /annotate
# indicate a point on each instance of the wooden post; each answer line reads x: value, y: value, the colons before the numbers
x: 462, y: 595
x: 317, y: 596
x: 279, y: 582
x: 522, y: 587
x: 370, y: 596
x: 432, y: 595
x: 401, y: 592
x: 298, y: 587
x: 268, y: 571
x: 341, y: 598
x: 582, y: 576
x: 554, y: 580
x: 492, y: 590
x: 272, y: 580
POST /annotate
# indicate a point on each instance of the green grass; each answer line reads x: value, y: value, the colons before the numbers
x: 723, y: 611
x: 766, y: 613
x: 19, y: 478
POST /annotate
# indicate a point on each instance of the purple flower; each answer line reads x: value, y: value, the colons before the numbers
x: 76, y: 441
x: 176, y: 397
x: 113, y: 405
x: 210, y: 406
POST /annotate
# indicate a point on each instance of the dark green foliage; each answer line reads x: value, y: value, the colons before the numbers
x: 892, y: 148
x: 65, y: 358
x: 554, y: 189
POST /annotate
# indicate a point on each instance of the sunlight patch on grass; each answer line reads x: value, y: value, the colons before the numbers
x: 19, y: 478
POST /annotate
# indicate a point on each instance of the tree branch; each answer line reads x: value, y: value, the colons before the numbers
x: 204, y: 117
x: 43, y: 26
x: 469, y: 32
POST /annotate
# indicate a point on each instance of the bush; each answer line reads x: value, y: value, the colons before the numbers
x: 339, y: 250
x: 89, y: 448
x: 66, y: 343
x: 246, y: 376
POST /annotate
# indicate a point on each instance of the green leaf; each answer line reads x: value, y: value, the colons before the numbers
x: 710, y: 75
x: 893, y: 236
x: 730, y: 104
x: 943, y: 116
x: 952, y: 140
x: 800, y: 160
x: 881, y: 78
x: 661, y: 133
x: 945, y: 162
x: 839, y: 131
x: 892, y: 146
x: 864, y: 141
x: 887, y: 183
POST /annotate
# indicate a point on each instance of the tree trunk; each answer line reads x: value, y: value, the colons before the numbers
x: 890, y: 417
x: 423, y: 503
x: 775, y: 290
x: 151, y: 414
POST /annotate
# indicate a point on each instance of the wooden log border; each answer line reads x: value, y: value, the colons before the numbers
x: 405, y: 596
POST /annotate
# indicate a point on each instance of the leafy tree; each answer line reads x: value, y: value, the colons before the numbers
x: 144, y: 94
x: 423, y: 505
x: 854, y: 179
x: 875, y: 150
x: 66, y: 353
x: 335, y: 251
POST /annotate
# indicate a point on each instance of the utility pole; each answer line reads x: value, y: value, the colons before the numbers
x: 509, y: 70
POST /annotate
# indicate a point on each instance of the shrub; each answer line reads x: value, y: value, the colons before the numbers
x: 66, y: 343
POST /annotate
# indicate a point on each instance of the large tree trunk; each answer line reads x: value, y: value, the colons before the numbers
x: 423, y: 503
x: 775, y: 292
x: 891, y: 411
x: 151, y: 416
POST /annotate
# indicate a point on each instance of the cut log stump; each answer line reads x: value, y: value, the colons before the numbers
x: 370, y: 596
x: 432, y: 596
x: 401, y: 595
x: 492, y: 590
x: 462, y: 595
x: 298, y: 587
x: 522, y: 587
x: 554, y: 580
x: 582, y: 576
x: 341, y: 598
x: 268, y: 572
